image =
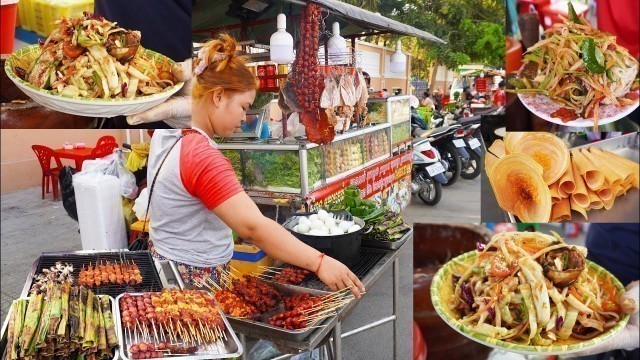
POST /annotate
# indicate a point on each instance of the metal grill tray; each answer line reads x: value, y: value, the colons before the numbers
x: 5, y: 329
x: 388, y: 245
x: 150, y: 279
x: 258, y: 328
x: 625, y: 208
x: 232, y: 346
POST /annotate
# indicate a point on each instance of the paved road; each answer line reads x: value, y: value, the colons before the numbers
x: 460, y: 203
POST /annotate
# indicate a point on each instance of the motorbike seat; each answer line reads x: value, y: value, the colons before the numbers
x: 436, y: 131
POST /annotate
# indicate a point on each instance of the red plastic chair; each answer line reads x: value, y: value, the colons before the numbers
x: 107, y: 139
x: 44, y: 155
x: 103, y: 150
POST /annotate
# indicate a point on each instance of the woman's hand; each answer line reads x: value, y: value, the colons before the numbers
x: 627, y: 338
x: 337, y: 276
x: 177, y: 110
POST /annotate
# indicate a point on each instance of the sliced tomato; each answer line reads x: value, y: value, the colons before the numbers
x: 72, y: 51
x: 499, y: 267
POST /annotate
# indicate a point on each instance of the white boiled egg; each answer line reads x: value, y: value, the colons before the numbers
x: 330, y: 222
x: 316, y: 224
x: 323, y: 215
x: 302, y: 228
x: 317, y: 232
x: 336, y: 231
x: 354, y: 228
x: 313, y: 217
x: 303, y: 220
x: 345, y: 225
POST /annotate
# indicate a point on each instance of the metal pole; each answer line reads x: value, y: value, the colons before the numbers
x: 337, y: 340
x: 369, y: 326
x: 396, y: 305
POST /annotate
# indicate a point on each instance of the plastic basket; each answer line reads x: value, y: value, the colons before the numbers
x: 25, y: 14
x: 46, y: 12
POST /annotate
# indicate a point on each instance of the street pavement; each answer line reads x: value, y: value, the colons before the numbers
x: 460, y: 203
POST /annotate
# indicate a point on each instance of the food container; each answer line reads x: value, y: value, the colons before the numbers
x: 229, y: 347
x: 270, y: 70
x: 5, y: 328
x: 344, y: 248
x: 271, y: 82
x: 259, y: 328
x: 263, y: 82
x: 389, y: 245
x: 262, y: 70
x: 8, y: 15
x: 283, y: 70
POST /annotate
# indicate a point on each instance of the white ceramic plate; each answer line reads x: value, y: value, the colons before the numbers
x: 542, y: 106
x: 86, y: 106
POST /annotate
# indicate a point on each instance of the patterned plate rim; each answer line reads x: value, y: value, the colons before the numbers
x: 8, y: 68
x: 438, y: 304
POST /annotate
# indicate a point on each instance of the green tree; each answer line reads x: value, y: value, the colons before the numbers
x: 473, y: 30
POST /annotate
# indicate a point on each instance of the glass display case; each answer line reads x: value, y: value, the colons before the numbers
x: 288, y: 170
x: 398, y: 109
x: 401, y: 133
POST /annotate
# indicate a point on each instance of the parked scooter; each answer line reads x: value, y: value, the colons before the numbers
x: 471, y: 166
x: 428, y: 172
x: 443, y: 141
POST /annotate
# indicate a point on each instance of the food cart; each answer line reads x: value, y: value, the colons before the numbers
x: 305, y: 173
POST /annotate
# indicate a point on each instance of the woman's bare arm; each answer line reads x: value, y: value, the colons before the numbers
x: 242, y: 215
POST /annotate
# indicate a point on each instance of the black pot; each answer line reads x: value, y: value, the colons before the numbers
x: 344, y: 248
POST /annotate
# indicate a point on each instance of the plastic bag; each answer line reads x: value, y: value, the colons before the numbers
x: 141, y: 203
x: 264, y: 350
x: 114, y: 165
x: 68, y: 195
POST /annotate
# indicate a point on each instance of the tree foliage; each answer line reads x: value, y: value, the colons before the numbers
x: 473, y: 29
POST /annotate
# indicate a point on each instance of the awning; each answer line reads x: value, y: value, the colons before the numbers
x: 353, y: 20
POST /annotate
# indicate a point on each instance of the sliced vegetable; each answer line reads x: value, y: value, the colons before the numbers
x: 592, y: 57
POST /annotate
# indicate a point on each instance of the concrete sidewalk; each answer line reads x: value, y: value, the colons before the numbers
x: 30, y: 226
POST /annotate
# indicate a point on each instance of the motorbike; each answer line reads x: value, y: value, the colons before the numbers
x: 428, y: 172
x: 466, y: 137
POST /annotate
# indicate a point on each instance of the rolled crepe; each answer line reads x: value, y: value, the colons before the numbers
x: 593, y: 177
x: 608, y: 204
x: 580, y: 195
x: 577, y: 207
x: 615, y: 169
x: 633, y: 167
x: 511, y: 138
x: 594, y: 200
x: 566, y: 184
x: 611, y: 176
x: 517, y: 182
x: 561, y: 211
x: 555, y: 196
x: 547, y: 150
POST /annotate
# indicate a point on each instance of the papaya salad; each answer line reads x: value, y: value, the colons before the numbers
x: 580, y: 68
x: 91, y: 57
x: 534, y: 289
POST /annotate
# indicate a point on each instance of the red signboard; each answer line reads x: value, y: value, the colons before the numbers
x: 481, y: 84
x: 371, y: 181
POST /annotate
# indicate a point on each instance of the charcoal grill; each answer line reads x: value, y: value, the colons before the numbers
x: 150, y: 278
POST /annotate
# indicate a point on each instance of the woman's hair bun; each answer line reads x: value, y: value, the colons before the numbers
x: 217, y: 53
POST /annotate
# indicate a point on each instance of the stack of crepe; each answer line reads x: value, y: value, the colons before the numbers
x: 537, y: 178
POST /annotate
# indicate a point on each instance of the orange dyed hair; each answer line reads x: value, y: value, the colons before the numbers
x: 230, y: 73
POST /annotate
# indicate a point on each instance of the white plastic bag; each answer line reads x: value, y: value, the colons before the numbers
x: 141, y: 203
x: 114, y: 165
